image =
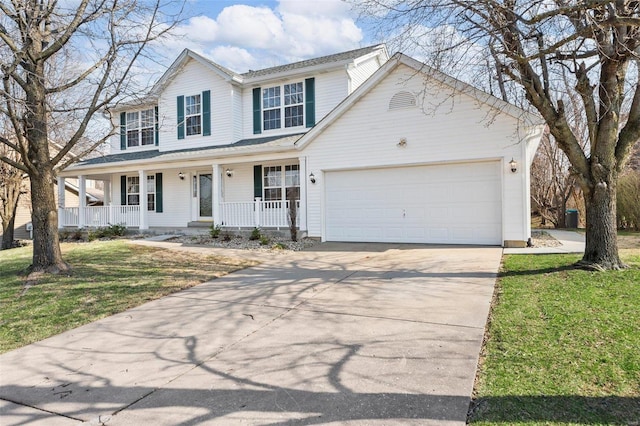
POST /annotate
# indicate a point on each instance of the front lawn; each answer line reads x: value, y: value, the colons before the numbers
x: 562, y: 345
x: 108, y: 277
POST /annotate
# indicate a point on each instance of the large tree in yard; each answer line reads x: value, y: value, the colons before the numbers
x: 540, y: 45
x: 65, y: 62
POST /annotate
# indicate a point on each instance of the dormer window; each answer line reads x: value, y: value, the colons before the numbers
x: 283, y: 106
x: 140, y: 128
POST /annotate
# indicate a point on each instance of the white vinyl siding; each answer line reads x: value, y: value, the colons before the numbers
x: 456, y: 132
x: 193, y: 79
x: 330, y: 89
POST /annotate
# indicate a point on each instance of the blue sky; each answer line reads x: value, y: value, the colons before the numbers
x: 254, y: 34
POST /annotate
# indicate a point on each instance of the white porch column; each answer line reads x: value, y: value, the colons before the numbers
x: 143, y: 199
x: 107, y: 193
x: 302, y: 211
x: 217, y: 194
x: 82, y: 201
x: 61, y: 201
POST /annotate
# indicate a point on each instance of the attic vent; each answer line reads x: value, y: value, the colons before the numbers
x: 402, y: 100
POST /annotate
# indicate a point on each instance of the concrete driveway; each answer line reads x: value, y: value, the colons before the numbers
x: 343, y: 334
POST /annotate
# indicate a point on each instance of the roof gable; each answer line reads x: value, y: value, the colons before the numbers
x: 391, y: 65
x: 182, y: 60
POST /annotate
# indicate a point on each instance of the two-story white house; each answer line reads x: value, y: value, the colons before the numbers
x: 370, y: 148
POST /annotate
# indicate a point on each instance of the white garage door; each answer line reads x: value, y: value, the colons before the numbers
x: 449, y: 204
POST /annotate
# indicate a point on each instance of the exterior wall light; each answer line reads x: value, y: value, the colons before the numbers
x: 228, y: 172
x: 312, y: 178
x: 514, y: 165
x: 181, y: 176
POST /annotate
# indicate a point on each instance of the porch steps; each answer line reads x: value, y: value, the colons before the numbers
x: 199, y: 224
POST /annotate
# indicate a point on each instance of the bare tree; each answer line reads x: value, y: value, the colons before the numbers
x: 540, y: 45
x: 12, y: 186
x: 551, y: 182
x: 66, y: 62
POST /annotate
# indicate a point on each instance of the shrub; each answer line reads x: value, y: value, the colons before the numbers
x: 264, y: 240
x: 628, y: 201
x: 255, y: 234
x: 110, y: 231
x: 215, y: 231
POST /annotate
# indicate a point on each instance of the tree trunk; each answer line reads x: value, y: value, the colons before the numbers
x: 601, y: 250
x: 7, y: 232
x: 47, y: 256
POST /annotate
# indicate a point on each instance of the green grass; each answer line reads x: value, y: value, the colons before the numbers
x: 563, y: 345
x: 108, y: 277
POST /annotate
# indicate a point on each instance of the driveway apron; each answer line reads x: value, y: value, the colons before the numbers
x: 340, y: 334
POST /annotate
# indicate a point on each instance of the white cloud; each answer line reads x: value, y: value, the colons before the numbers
x: 199, y: 29
x: 324, y: 8
x: 241, y: 37
x: 232, y: 57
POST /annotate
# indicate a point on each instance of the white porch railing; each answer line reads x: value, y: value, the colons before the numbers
x: 266, y: 214
x: 99, y: 216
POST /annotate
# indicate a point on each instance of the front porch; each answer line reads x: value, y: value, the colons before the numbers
x: 256, y: 214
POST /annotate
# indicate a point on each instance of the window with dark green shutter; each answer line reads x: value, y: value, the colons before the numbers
x: 257, y: 181
x: 123, y: 131
x: 123, y: 190
x: 158, y: 192
x: 257, y: 112
x: 310, y: 102
x: 180, y: 109
x: 206, y: 113
x: 157, y: 133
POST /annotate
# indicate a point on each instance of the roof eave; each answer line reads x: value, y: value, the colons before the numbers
x: 269, y: 147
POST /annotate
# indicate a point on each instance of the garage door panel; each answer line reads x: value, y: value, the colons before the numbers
x: 458, y: 204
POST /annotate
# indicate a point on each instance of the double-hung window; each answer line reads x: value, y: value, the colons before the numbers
x: 279, y: 186
x: 133, y: 191
x: 193, y: 115
x: 283, y: 106
x: 140, y: 128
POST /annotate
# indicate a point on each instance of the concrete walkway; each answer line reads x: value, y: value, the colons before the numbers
x: 571, y: 242
x: 347, y: 333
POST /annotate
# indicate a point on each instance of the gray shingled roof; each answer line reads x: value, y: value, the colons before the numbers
x: 352, y: 54
x: 145, y: 155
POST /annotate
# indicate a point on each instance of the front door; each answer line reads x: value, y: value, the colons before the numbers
x: 205, y: 198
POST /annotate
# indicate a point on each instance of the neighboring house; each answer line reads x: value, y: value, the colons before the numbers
x: 371, y: 148
x: 22, y: 225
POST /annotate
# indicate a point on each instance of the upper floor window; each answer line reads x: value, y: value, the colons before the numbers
x: 283, y: 106
x: 193, y: 115
x: 140, y: 128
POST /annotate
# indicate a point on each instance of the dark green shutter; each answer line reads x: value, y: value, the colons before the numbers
x: 206, y: 113
x: 257, y: 113
x: 158, y: 192
x: 157, y: 133
x: 257, y: 181
x: 310, y: 102
x: 123, y: 131
x: 180, y: 117
x: 123, y: 190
